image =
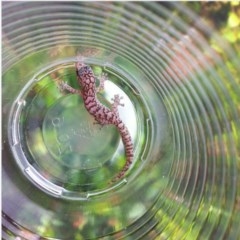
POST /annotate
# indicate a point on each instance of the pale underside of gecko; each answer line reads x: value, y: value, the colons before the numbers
x: 102, y: 114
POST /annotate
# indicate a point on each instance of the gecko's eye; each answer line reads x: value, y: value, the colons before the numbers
x: 80, y: 72
x: 87, y: 68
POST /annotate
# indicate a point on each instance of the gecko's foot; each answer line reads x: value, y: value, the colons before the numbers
x: 59, y: 82
x: 103, y: 77
x: 62, y: 86
x: 116, y: 101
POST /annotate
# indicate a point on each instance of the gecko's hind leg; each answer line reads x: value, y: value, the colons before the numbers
x: 116, y: 102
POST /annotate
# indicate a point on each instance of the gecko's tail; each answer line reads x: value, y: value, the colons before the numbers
x: 128, y: 145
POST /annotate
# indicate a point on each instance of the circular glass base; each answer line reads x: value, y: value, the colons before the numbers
x: 58, y: 144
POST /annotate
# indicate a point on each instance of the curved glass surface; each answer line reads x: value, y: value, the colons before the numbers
x: 180, y: 85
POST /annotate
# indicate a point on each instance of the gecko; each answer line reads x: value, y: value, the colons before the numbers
x: 102, y: 114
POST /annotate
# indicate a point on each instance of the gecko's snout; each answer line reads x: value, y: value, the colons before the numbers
x: 79, y: 68
x: 79, y: 65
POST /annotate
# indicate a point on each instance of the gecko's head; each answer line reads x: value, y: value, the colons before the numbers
x: 85, y: 75
x: 84, y: 71
x: 79, y: 64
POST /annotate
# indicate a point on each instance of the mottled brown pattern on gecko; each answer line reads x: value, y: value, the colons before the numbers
x: 102, y: 114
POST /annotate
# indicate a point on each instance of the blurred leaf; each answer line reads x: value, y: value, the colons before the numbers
x: 233, y: 20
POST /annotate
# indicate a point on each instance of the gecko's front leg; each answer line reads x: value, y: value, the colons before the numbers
x: 65, y: 86
x: 102, y: 80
